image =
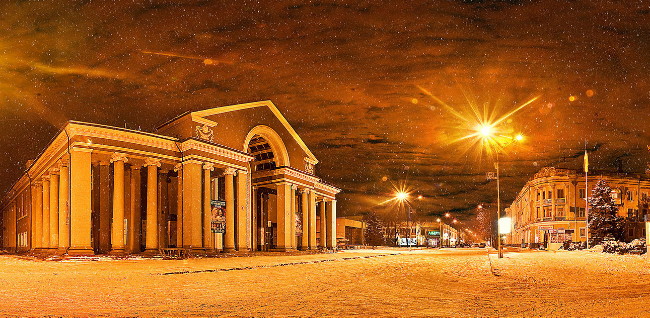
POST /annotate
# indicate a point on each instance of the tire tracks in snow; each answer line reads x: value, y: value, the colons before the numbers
x: 242, y: 268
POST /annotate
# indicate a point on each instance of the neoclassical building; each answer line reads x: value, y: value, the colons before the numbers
x: 232, y: 178
x: 551, y: 205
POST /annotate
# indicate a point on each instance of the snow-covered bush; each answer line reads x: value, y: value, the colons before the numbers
x: 635, y: 247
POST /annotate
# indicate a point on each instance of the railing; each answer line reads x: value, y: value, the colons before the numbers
x: 560, y: 201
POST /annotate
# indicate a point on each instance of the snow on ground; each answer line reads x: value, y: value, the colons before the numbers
x: 388, y: 282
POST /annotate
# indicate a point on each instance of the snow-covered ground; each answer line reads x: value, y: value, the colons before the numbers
x: 390, y: 282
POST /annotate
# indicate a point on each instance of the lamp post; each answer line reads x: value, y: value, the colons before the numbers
x: 439, y: 233
x: 402, y: 197
x: 487, y: 134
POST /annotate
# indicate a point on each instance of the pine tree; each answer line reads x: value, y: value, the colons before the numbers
x: 604, y: 223
x: 373, y: 234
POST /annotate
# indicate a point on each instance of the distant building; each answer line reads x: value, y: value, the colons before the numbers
x: 235, y: 178
x: 551, y: 206
x: 349, y: 230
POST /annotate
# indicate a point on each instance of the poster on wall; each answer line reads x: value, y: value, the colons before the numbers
x: 218, y: 216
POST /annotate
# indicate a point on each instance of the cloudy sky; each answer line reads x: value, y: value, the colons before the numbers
x: 351, y: 78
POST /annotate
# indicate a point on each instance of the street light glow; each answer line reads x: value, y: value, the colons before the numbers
x: 485, y: 130
x: 519, y: 137
x: 401, y: 196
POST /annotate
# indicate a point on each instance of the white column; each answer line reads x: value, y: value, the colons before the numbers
x: 64, y: 207
x: 37, y: 215
x: 117, y: 233
x: 80, y: 204
x: 208, y: 236
x: 54, y: 208
x: 242, y: 210
x: 151, y: 241
x: 45, y: 239
x: 312, y: 219
x: 323, y: 225
x: 229, y: 239
x: 284, y: 211
x: 304, y: 197
x: 192, y: 205
x: 331, y: 224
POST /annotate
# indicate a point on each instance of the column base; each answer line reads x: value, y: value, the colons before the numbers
x: 229, y: 249
x: 151, y: 252
x: 118, y: 252
x: 79, y: 251
x: 283, y: 249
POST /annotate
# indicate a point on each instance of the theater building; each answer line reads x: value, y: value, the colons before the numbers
x: 550, y: 208
x: 232, y: 178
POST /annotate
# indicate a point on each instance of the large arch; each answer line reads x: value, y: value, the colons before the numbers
x: 274, y: 139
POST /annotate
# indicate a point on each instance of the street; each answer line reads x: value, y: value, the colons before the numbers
x: 448, y: 282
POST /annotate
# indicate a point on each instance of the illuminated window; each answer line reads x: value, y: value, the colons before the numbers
x: 583, y: 232
x: 582, y: 193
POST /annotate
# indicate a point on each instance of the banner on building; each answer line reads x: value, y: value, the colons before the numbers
x: 218, y: 224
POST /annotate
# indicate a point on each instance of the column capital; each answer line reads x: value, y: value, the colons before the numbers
x: 178, y: 167
x: 45, y: 178
x: 63, y: 162
x: 229, y: 171
x: 135, y: 167
x: 78, y: 149
x: 54, y: 170
x: 242, y: 171
x: 118, y: 156
x: 208, y: 166
x: 152, y: 162
x: 304, y: 190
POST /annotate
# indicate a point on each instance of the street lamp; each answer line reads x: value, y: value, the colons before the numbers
x: 402, y: 197
x: 439, y: 233
x: 488, y: 136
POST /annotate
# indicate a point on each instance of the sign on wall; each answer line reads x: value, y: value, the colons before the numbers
x: 218, y: 224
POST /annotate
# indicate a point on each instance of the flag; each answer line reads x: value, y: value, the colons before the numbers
x: 586, y: 162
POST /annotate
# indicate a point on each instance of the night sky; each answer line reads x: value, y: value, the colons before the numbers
x: 350, y: 78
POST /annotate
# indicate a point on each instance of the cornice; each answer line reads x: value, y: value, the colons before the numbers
x: 221, y: 151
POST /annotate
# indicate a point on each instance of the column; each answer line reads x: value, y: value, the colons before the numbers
x: 553, y: 196
x: 242, y: 210
x: 104, y: 207
x: 323, y: 225
x: 331, y: 224
x: 64, y: 207
x: 135, y: 203
x: 54, y: 208
x: 312, y: 219
x: 117, y: 230
x: 192, y: 205
x: 45, y: 238
x: 294, y: 210
x: 180, y: 216
x: 80, y: 206
x: 37, y: 215
x: 151, y: 242
x: 304, y: 198
x: 208, y: 236
x: 229, y: 239
x: 284, y: 211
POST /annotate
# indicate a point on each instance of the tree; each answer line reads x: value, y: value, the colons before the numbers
x: 374, y: 234
x: 604, y: 223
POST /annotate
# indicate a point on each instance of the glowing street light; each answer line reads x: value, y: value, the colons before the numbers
x: 401, y: 196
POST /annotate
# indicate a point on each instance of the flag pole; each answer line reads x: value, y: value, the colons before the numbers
x: 586, y: 195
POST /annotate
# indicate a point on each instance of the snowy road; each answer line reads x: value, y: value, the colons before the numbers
x: 449, y: 282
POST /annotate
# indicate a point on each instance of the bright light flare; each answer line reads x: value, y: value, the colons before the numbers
x: 402, y: 196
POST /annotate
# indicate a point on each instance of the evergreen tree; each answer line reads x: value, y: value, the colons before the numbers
x: 374, y: 234
x: 604, y: 223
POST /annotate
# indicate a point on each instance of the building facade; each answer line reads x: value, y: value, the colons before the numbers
x: 232, y: 178
x: 550, y: 208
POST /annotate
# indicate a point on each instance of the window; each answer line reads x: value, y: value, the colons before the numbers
x: 583, y: 232
x: 582, y: 193
x: 560, y: 193
x: 581, y: 213
x: 559, y: 211
x: 629, y: 195
x: 630, y: 213
x: 630, y: 232
x: 547, y: 213
x: 550, y: 194
x: 644, y: 196
x: 22, y: 239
